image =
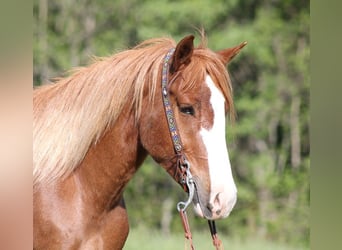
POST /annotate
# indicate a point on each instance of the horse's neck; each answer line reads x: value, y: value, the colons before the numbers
x: 111, y: 163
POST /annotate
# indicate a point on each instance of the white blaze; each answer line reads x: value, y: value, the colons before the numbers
x: 223, y: 190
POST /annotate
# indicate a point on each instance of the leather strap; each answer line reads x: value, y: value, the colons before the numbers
x: 216, y: 241
x: 176, y: 140
x: 186, y: 227
x: 182, y: 163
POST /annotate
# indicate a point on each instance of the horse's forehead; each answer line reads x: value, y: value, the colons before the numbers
x: 201, y: 94
x: 207, y: 110
x: 214, y: 103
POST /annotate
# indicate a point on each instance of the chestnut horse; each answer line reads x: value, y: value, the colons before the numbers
x: 93, y: 129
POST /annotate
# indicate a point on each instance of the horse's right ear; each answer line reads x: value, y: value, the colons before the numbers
x: 182, y: 54
x: 228, y: 54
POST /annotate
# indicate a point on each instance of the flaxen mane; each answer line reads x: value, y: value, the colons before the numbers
x: 72, y: 114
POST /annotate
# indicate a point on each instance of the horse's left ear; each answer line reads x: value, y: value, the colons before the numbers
x: 227, y: 55
x: 183, y: 53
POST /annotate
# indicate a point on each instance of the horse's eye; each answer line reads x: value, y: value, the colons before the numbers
x: 188, y: 110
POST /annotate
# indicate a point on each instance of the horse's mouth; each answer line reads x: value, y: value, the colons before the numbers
x: 200, y: 207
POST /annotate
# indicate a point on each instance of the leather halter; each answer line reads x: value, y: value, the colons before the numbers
x: 183, y: 165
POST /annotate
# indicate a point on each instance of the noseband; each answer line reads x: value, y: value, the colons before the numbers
x: 183, y: 165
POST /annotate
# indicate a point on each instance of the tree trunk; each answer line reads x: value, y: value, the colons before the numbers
x: 295, y: 132
x: 166, y: 217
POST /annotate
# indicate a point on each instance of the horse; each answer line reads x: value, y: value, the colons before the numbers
x: 93, y: 129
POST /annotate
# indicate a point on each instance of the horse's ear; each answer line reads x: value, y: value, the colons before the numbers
x: 227, y: 55
x: 183, y: 53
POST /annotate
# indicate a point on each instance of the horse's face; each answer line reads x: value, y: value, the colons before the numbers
x: 200, y: 115
x: 200, y: 112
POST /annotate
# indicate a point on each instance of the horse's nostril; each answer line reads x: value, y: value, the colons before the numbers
x: 217, y: 200
x: 214, y: 206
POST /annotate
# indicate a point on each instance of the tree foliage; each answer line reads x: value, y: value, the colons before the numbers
x: 269, y: 143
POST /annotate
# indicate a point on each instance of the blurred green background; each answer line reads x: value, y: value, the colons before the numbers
x: 269, y: 143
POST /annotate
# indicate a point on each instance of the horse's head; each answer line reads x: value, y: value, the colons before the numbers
x: 200, y: 96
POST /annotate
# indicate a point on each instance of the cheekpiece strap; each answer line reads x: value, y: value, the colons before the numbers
x: 177, y: 143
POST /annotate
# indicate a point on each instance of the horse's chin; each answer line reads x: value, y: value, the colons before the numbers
x: 198, y: 201
x: 198, y: 210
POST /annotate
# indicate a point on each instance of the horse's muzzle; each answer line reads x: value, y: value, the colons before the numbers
x: 212, y: 207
